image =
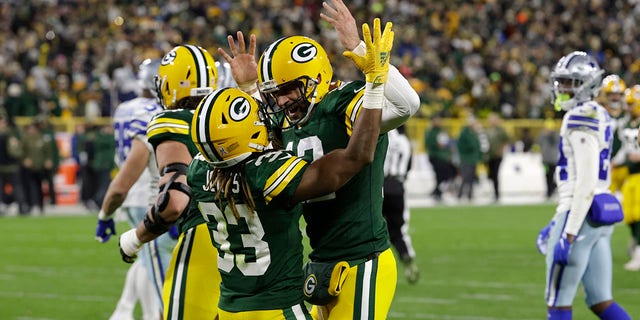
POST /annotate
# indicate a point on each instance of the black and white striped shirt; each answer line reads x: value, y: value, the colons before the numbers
x: 398, y: 160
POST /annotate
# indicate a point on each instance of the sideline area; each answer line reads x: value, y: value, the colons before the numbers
x: 521, y: 182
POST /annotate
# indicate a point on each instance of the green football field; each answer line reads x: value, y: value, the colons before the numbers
x: 476, y: 263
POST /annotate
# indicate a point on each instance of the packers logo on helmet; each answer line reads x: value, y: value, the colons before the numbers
x: 304, y: 52
x: 227, y: 128
x: 294, y: 63
x: 168, y: 58
x: 239, y: 109
x: 185, y: 71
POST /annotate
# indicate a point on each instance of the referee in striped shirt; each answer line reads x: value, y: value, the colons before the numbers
x: 396, y: 166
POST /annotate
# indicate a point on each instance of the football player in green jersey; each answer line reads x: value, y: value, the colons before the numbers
x: 186, y: 74
x: 316, y: 116
x: 248, y: 192
x: 254, y: 215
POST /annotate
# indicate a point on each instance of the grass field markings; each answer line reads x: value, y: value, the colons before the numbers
x: 75, y: 271
x: 7, y: 276
x: 488, y: 297
x: 423, y: 300
x: 527, y: 287
x: 55, y: 296
x: 630, y: 291
x: 403, y: 315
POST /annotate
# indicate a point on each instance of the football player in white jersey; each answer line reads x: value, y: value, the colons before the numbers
x: 225, y: 77
x: 133, y: 190
x: 578, y: 248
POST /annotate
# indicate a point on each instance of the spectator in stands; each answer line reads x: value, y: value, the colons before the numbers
x: 498, y: 141
x: 20, y: 102
x: 438, y: 144
x: 509, y: 46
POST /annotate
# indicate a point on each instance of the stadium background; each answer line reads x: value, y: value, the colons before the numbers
x: 73, y: 61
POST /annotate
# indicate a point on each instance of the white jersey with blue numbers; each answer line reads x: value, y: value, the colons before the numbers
x: 130, y: 122
x: 584, y: 167
x: 225, y: 77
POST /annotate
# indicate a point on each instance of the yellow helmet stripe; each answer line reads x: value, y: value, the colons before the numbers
x: 281, y: 178
x: 164, y: 125
x: 265, y: 61
x: 201, y: 66
x: 205, y: 140
x: 353, y: 110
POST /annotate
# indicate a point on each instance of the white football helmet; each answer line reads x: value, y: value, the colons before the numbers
x: 147, y: 73
x: 576, y: 78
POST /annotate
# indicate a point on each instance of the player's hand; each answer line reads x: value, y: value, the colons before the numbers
x: 543, y: 238
x: 129, y: 246
x: 339, y: 16
x: 562, y: 250
x: 375, y: 63
x: 105, y: 229
x: 173, y: 232
x: 242, y: 61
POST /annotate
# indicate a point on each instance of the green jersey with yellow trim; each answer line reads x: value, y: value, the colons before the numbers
x: 173, y: 125
x: 347, y: 224
x: 259, y: 252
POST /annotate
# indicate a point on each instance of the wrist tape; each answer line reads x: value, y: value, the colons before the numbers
x: 373, y: 97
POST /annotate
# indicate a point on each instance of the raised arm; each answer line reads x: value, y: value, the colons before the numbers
x: 333, y: 170
x: 401, y: 101
x: 243, y: 63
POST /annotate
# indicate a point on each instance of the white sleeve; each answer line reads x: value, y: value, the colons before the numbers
x: 401, y: 101
x: 620, y: 157
x: 585, y: 146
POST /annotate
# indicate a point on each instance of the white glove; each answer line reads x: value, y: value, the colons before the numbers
x: 129, y: 246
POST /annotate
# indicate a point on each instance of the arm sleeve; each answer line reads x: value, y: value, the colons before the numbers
x: 584, y: 144
x: 401, y: 101
x: 620, y: 157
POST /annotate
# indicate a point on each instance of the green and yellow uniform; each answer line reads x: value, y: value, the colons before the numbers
x: 348, y: 225
x: 260, y: 252
x: 192, y: 285
x: 619, y: 173
x: 631, y: 186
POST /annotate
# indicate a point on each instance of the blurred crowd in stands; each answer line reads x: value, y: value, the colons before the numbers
x: 78, y: 58
x: 72, y: 58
